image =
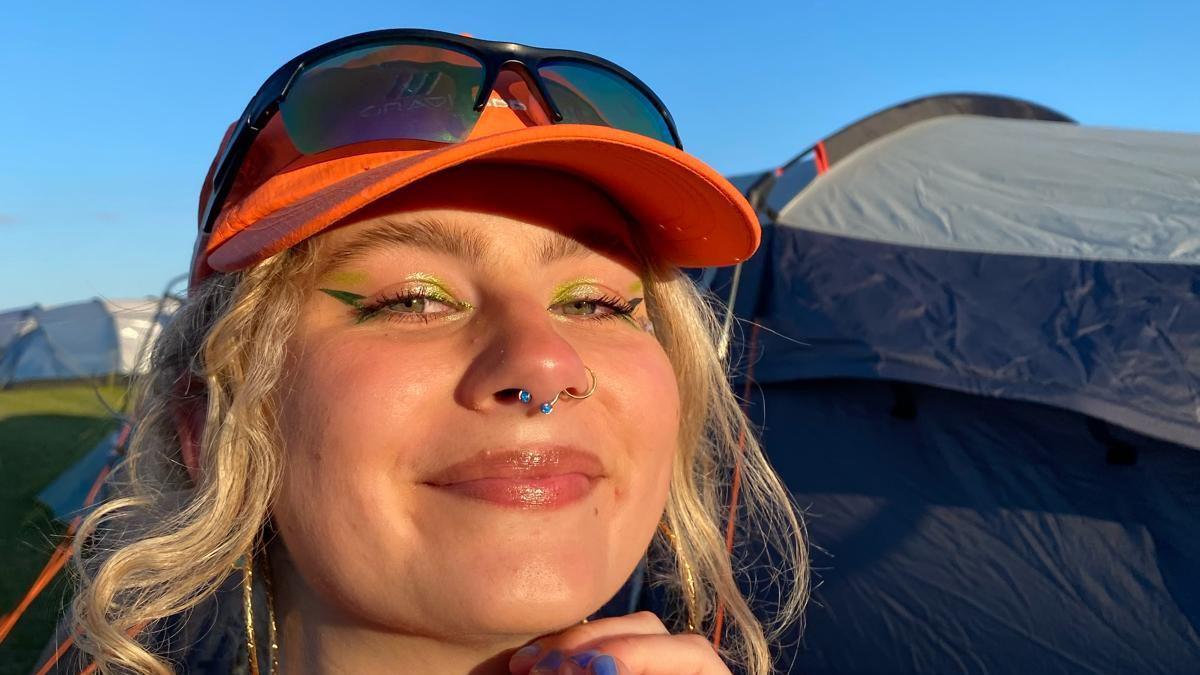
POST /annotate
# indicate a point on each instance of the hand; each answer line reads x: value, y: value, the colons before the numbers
x: 636, y: 644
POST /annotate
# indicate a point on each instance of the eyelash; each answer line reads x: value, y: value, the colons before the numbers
x: 620, y: 308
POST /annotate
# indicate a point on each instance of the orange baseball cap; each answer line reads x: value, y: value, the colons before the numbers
x: 691, y: 215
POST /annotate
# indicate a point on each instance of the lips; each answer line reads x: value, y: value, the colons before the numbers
x: 529, y: 477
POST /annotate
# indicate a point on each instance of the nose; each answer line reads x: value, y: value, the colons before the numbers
x: 523, y: 351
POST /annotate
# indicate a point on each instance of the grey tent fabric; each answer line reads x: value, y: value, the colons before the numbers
x: 68, y: 341
x: 1020, y: 259
x: 975, y: 351
x: 1016, y: 186
x: 84, y: 339
x: 1116, y: 340
x: 744, y: 181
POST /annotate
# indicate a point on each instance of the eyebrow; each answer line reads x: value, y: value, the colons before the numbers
x: 438, y: 236
x: 425, y: 233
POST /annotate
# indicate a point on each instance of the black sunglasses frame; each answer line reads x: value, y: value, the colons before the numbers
x: 494, y: 56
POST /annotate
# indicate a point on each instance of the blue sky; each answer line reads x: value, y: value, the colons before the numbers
x: 112, y: 111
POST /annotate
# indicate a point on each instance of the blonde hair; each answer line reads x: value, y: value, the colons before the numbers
x: 166, y: 544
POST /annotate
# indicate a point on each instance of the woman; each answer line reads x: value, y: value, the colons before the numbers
x: 440, y: 391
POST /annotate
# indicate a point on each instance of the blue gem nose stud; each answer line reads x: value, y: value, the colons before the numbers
x: 524, y: 396
x: 547, y: 408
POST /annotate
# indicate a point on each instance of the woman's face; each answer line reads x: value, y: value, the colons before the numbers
x: 420, y: 494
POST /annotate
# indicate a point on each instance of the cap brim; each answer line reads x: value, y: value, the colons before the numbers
x: 692, y: 216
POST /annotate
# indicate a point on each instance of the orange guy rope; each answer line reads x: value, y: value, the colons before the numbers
x: 61, y: 554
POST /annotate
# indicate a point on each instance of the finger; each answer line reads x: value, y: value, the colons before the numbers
x: 598, y: 663
x: 590, y: 662
x: 683, y: 654
x: 607, y: 664
x: 581, y: 636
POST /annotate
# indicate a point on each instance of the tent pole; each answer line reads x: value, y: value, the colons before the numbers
x: 727, y: 325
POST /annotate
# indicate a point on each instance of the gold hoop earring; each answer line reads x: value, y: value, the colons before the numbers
x: 248, y: 602
x: 248, y: 607
x: 689, y: 579
x: 272, y: 632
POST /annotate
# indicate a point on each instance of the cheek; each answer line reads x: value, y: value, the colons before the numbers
x: 648, y: 408
x: 343, y: 406
x: 649, y: 400
x: 351, y: 424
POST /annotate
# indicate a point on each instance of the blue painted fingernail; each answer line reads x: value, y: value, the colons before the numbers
x: 604, y: 665
x: 550, y: 664
x: 582, y: 659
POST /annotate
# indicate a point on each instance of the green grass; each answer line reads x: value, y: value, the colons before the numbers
x: 44, y: 428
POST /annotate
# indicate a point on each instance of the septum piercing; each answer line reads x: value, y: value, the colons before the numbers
x: 548, y: 407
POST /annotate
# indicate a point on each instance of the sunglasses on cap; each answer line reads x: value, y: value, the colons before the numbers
x: 424, y: 85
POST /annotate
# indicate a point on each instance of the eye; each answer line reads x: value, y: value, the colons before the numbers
x: 426, y: 304
x: 581, y: 307
x: 411, y: 305
x: 604, y: 307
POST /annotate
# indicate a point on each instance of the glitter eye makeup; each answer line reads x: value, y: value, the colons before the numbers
x: 403, y: 305
x: 615, y: 306
x: 407, y: 304
x: 345, y: 277
x: 582, y: 299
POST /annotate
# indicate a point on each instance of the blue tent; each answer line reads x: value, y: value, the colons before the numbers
x: 67, y: 496
x: 973, y: 335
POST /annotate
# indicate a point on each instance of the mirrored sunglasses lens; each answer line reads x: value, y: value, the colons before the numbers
x: 587, y: 94
x: 400, y: 92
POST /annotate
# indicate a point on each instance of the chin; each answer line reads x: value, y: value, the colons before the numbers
x: 523, y: 619
x: 541, y: 594
x: 468, y: 569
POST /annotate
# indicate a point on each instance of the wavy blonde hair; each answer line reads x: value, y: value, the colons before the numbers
x: 165, y: 544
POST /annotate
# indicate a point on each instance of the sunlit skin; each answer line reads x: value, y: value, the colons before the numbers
x: 406, y: 361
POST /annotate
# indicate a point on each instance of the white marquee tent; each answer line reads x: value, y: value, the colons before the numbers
x: 86, y: 339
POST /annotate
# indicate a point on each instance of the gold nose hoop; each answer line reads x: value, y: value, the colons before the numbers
x: 548, y: 407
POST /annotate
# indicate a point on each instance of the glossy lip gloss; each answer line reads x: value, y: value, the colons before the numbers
x: 535, y: 477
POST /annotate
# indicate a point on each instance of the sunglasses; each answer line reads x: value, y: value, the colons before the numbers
x: 424, y: 85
